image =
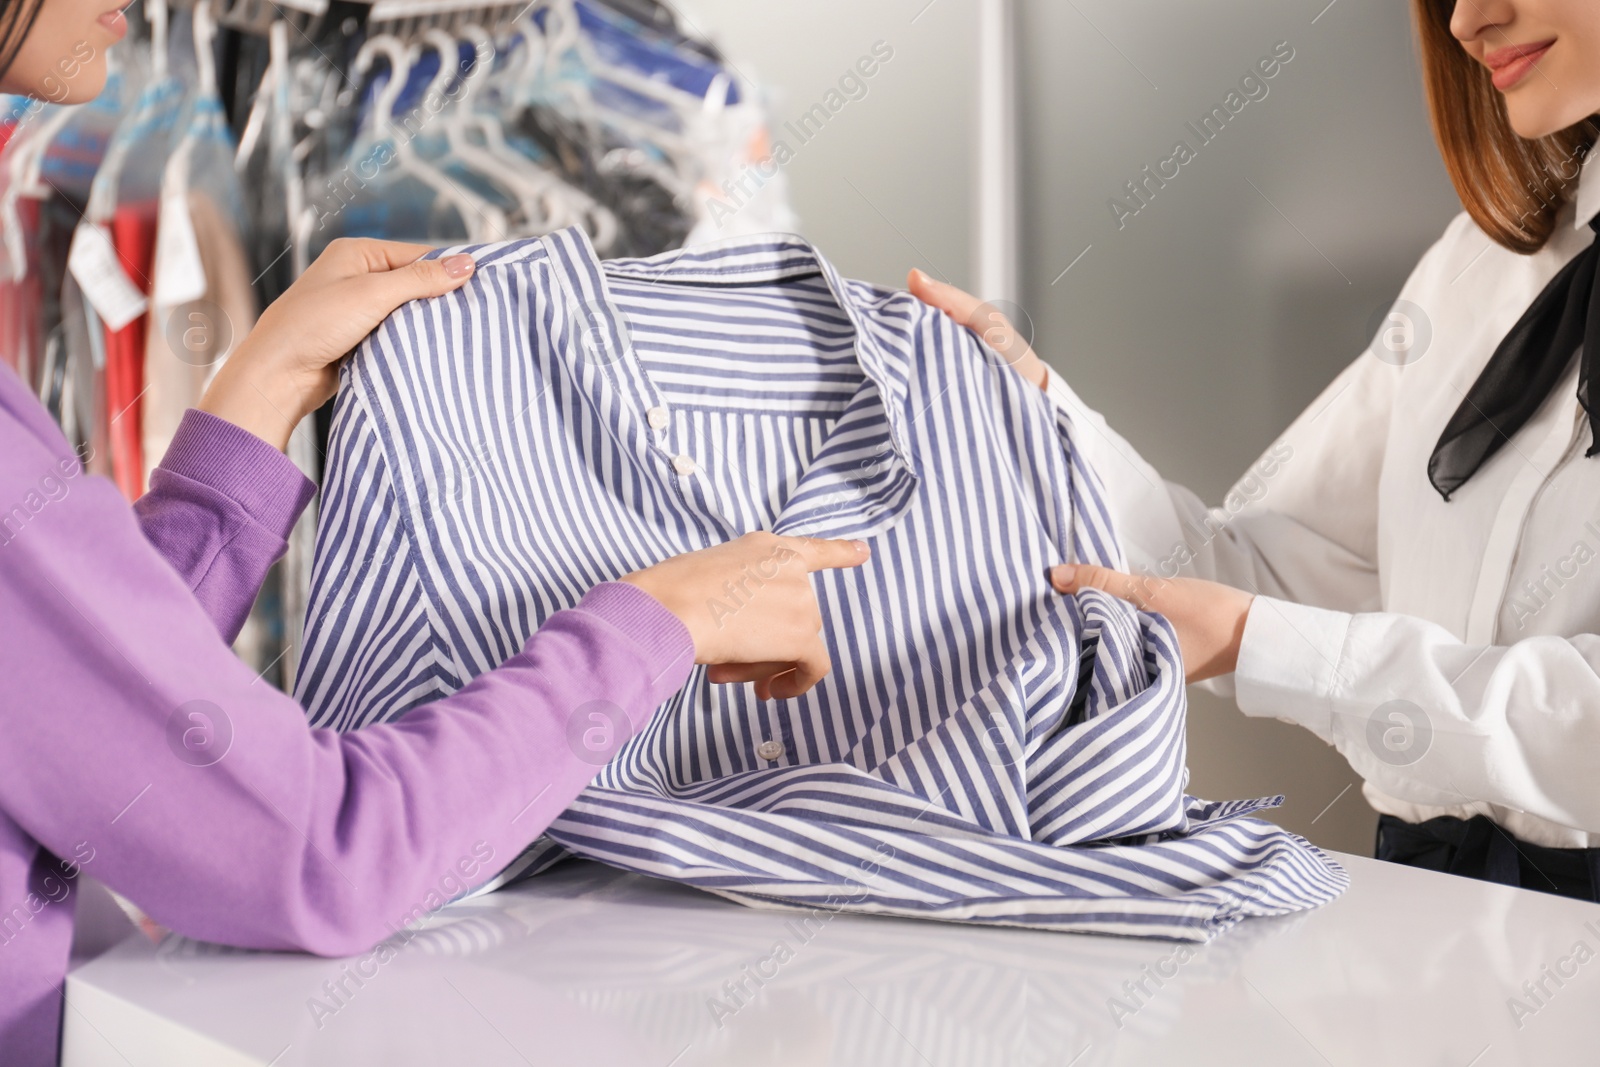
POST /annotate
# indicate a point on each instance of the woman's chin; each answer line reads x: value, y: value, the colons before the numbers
x: 1533, y: 118
x: 83, y: 87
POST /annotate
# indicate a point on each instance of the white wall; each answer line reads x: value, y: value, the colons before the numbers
x: 886, y: 186
x: 1208, y: 320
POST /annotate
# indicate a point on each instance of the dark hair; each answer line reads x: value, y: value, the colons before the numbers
x: 16, y: 19
x: 1512, y: 187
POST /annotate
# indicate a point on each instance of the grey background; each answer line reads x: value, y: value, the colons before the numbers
x: 1205, y: 324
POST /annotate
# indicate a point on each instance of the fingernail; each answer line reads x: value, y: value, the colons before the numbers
x: 1061, y: 577
x: 459, y: 265
x: 861, y: 547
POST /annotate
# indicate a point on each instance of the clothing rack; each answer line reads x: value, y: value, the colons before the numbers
x: 599, y: 114
x: 310, y: 16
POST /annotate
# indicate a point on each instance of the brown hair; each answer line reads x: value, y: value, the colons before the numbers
x: 16, y: 19
x: 1511, y: 186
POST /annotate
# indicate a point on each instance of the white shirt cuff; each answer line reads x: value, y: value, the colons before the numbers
x: 1290, y: 661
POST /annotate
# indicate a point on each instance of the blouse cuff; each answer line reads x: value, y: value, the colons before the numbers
x: 1291, y: 661
x: 660, y: 635
x: 241, y: 466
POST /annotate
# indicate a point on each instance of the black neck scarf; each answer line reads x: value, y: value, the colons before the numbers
x: 1523, y: 370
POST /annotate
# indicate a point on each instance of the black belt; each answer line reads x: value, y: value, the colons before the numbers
x: 1478, y: 848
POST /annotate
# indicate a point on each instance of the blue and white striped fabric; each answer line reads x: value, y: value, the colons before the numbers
x: 985, y: 749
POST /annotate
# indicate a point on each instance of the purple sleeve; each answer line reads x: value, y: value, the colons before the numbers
x: 202, y: 794
x: 219, y: 509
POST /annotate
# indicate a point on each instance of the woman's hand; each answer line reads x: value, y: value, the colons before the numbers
x: 751, y: 609
x: 288, y: 365
x: 1208, y: 616
x: 985, y: 321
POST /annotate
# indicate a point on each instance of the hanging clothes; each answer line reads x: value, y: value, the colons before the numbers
x: 266, y: 165
x: 123, y: 211
x: 24, y: 226
x: 139, y: 246
x: 202, y: 303
x: 985, y: 750
x: 187, y: 339
x: 133, y: 236
x: 651, y: 220
x: 72, y: 383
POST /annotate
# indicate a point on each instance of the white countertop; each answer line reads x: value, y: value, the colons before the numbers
x: 586, y: 965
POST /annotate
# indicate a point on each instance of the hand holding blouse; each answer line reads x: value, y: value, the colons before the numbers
x: 1208, y: 616
x: 288, y: 365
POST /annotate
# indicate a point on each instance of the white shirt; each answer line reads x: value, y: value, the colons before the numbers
x: 1482, y: 612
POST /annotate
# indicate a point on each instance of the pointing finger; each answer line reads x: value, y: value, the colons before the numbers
x: 821, y: 554
x: 1073, y: 578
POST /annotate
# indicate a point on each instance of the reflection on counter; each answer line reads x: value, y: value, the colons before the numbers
x: 593, y: 966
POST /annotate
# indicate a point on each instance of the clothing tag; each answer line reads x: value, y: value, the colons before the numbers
x: 92, y: 259
x: 180, y: 276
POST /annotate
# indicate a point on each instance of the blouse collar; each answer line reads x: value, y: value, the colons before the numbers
x: 1587, y: 202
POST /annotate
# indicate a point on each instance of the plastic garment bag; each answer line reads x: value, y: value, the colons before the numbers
x: 45, y: 171
x: 653, y: 129
x: 25, y: 225
x: 113, y: 250
x: 266, y: 164
x: 72, y: 383
x: 201, y: 300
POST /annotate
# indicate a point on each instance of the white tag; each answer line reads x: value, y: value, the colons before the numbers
x: 180, y: 276
x: 92, y: 259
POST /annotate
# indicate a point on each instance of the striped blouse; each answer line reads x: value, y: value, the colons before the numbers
x: 985, y: 749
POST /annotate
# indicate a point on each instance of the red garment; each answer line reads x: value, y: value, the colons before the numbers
x: 133, y: 234
x: 20, y: 301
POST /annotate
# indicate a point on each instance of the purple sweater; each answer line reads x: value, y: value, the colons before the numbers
x: 244, y: 825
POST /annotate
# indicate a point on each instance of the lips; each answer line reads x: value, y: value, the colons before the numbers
x: 115, y: 22
x: 1511, y: 64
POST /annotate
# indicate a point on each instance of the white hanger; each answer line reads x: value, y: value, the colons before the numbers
x: 103, y: 190
x: 529, y: 186
x: 483, y: 220
x: 568, y: 34
x: 155, y: 13
x: 535, y: 48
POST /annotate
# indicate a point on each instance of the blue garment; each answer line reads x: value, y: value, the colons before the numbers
x: 985, y: 749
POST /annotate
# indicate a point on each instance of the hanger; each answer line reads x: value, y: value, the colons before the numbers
x: 483, y: 220
x: 261, y: 101
x: 533, y: 43
x: 568, y: 205
x: 103, y: 192
x: 205, y: 33
x: 677, y: 159
x: 205, y: 56
x: 537, y: 190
